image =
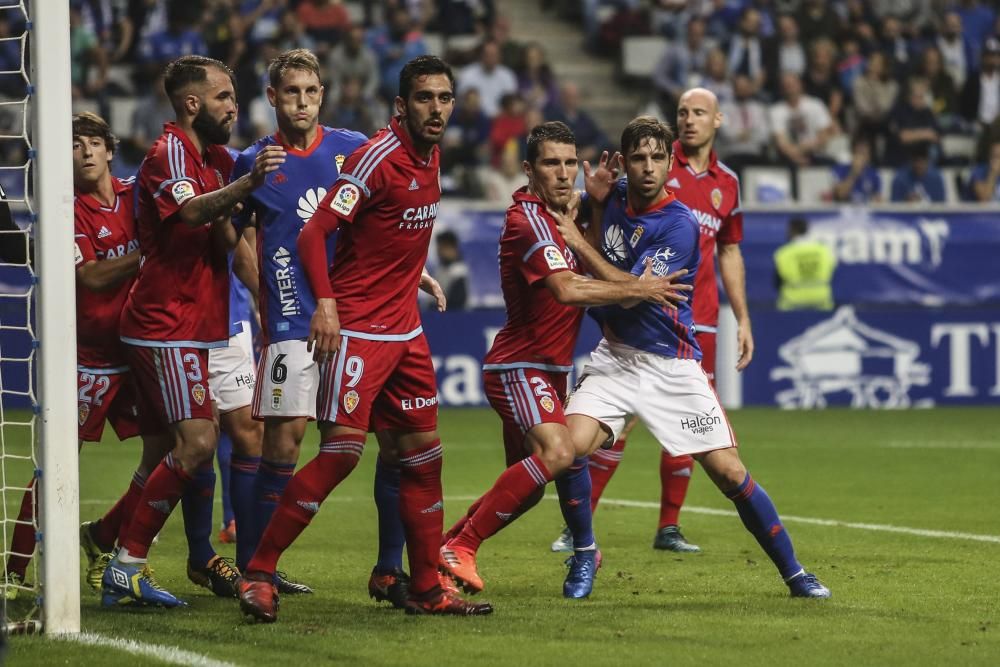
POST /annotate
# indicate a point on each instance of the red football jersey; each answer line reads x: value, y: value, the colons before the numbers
x: 102, y: 233
x: 540, y: 332
x: 388, y: 196
x: 714, y: 198
x: 181, y: 294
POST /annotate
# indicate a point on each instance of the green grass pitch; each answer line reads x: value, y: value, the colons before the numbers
x: 899, y: 599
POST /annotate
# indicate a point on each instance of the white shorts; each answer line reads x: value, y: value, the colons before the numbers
x: 288, y: 381
x: 231, y: 376
x: 672, y: 397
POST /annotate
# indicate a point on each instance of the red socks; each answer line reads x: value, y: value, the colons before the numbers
x: 503, y: 502
x: 22, y: 542
x: 302, y: 497
x: 113, y: 526
x: 603, y: 464
x: 421, y: 507
x: 163, y: 490
x: 675, y: 475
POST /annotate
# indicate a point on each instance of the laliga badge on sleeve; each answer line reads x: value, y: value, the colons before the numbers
x: 182, y: 191
x: 554, y: 258
x: 346, y: 199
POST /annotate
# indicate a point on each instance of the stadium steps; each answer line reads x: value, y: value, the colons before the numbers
x: 611, y: 103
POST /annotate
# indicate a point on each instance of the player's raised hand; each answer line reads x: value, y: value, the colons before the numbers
x: 601, y: 181
x: 269, y: 159
x: 663, y: 290
x: 433, y: 287
x: 566, y: 223
x: 324, y: 331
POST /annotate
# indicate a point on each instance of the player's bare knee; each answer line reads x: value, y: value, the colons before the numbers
x: 558, y: 454
x: 724, y: 468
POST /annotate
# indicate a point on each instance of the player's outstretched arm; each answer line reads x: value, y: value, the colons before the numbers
x: 585, y: 249
x: 572, y: 289
x: 734, y: 280
x: 106, y: 274
x: 211, y: 206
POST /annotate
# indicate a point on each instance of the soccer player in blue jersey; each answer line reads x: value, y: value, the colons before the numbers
x: 648, y: 362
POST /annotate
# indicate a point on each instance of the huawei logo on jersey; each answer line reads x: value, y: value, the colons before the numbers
x: 309, y: 202
x: 614, y: 244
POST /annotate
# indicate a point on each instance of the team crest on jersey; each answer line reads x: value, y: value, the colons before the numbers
x: 345, y: 199
x: 554, y: 258
x: 636, y: 235
x: 83, y: 411
x: 340, y: 162
x: 182, y: 191
x: 547, y: 404
x: 198, y: 393
x: 716, y: 198
x: 276, y: 398
x: 351, y: 400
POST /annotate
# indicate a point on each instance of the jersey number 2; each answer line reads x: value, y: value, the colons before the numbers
x: 98, y: 383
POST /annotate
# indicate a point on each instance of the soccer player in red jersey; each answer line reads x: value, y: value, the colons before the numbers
x: 525, y: 371
x: 376, y: 367
x: 712, y: 191
x: 178, y: 308
x: 106, y: 260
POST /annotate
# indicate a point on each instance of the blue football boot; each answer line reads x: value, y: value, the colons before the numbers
x: 806, y: 585
x: 132, y: 583
x: 583, y: 566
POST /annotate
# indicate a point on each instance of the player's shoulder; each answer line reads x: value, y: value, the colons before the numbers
x: 727, y: 175
x: 342, y: 139
x: 249, y: 154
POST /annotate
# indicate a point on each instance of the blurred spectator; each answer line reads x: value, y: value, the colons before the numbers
x: 857, y: 182
x: 784, y: 53
x: 918, y: 181
x: 800, y: 124
x: 850, y: 66
x: 981, y: 95
x: 489, y: 76
x: 820, y: 79
x: 223, y: 32
x: 351, y: 111
x: 803, y: 270
x: 110, y: 22
x: 944, y: 94
x: 816, y: 18
x: 260, y: 113
x: 913, y: 121
x: 895, y: 46
x: 179, y: 38
x: 352, y: 58
x: 978, y: 20
x: 913, y: 15
x: 956, y: 50
x: 509, y: 126
x: 590, y: 139
x: 511, y: 50
x: 680, y: 63
x: 536, y: 82
x: 498, y: 184
x: 874, y: 95
x: 88, y: 60
x: 745, y: 133
x: 292, y: 35
x: 452, y: 271
x: 12, y: 85
x: 261, y: 18
x: 151, y: 112
x: 745, y: 49
x: 464, y: 17
x: 325, y: 20
x: 467, y: 133
x: 716, y: 76
x: 394, y: 45
x: 984, y: 180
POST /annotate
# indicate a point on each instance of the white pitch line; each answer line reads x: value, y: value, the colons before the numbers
x: 787, y: 518
x: 168, y: 654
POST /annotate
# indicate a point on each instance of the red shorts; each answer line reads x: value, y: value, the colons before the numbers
x: 172, y: 384
x: 525, y: 398
x: 706, y: 341
x: 377, y: 385
x: 104, y: 395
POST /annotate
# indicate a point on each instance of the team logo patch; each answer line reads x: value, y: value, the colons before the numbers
x: 182, y: 191
x: 276, y: 398
x: 554, y: 258
x: 79, y: 254
x: 716, y: 198
x: 636, y: 235
x: 351, y: 400
x: 345, y: 199
x: 83, y: 411
x: 340, y: 162
x: 661, y: 261
x: 547, y: 404
x: 198, y: 393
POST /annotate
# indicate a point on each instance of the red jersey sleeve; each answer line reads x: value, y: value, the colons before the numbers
x: 350, y: 195
x: 731, y: 229
x: 166, y: 176
x: 530, y: 241
x: 84, y: 251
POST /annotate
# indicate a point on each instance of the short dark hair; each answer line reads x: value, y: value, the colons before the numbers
x: 302, y: 59
x: 186, y: 70
x: 422, y: 66
x: 798, y: 226
x: 89, y: 124
x: 447, y: 237
x: 555, y: 131
x: 646, y: 127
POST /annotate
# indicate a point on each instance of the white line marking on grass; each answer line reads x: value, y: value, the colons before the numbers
x: 878, y: 527
x: 168, y: 654
x: 942, y: 444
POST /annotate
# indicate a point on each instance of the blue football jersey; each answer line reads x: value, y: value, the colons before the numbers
x: 668, y: 234
x: 282, y: 206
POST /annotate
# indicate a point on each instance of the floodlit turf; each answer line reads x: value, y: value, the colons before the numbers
x: 898, y: 599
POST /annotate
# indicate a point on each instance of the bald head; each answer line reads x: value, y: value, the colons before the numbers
x: 698, y: 119
x: 702, y: 97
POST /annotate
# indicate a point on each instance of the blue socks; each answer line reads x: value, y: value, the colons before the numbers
x: 761, y: 518
x: 196, y: 504
x: 574, y: 501
x: 269, y: 484
x: 244, y: 474
x: 391, y: 537
x: 224, y: 453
